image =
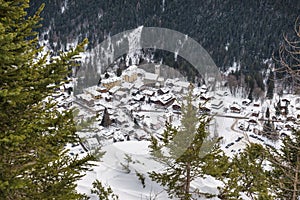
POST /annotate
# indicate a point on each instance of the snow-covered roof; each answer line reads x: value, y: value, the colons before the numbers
x: 114, y: 89
x: 150, y: 76
x: 183, y: 84
x: 148, y: 92
x: 111, y: 80
x: 127, y: 85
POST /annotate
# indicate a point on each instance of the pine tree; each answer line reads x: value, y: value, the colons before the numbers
x: 247, y: 175
x: 33, y: 161
x: 268, y: 113
x: 106, y: 121
x: 285, y: 162
x: 190, y: 154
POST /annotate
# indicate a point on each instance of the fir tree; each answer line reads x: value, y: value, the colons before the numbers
x: 190, y: 154
x: 285, y: 179
x: 106, y: 121
x: 33, y: 161
x: 246, y: 175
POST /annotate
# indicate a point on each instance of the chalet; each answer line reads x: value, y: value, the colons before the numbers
x: 163, y: 100
x: 138, y: 85
x: 148, y: 93
x: 183, y: 84
x: 246, y: 102
x: 130, y: 74
x: 111, y: 82
x: 235, y: 108
x: 176, y: 106
x: 290, y: 118
x: 287, y: 101
x: 255, y: 114
x: 252, y: 121
x: 256, y: 104
x: 139, y: 97
x: 119, y: 95
x: 114, y: 89
x: 150, y: 79
x: 101, y: 89
x: 205, y: 97
x: 177, y: 90
x: 127, y: 87
x: 162, y: 91
x: 86, y: 98
x: 93, y: 92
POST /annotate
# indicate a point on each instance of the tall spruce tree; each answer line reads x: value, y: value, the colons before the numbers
x: 187, y: 154
x: 33, y: 161
x: 285, y: 163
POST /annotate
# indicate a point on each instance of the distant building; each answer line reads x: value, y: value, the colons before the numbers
x: 150, y: 79
x: 235, y: 108
x: 130, y: 74
x: 111, y: 82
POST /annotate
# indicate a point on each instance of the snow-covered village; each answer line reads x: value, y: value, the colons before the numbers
x: 149, y: 100
x: 121, y: 113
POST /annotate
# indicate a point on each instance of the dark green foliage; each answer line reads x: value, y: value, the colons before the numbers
x: 102, y: 192
x: 268, y: 113
x: 246, y: 174
x: 141, y: 178
x: 190, y: 154
x: 33, y: 162
x: 106, y: 121
x: 285, y: 179
x: 270, y: 86
x: 253, y: 29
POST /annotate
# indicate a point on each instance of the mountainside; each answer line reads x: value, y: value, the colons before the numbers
x: 252, y: 30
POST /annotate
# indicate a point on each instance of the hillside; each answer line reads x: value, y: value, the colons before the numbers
x: 252, y: 30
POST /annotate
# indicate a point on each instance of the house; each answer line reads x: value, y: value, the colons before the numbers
x: 139, y: 97
x: 255, y: 114
x: 183, y: 84
x: 111, y: 82
x: 120, y: 95
x: 126, y: 86
x: 290, y: 118
x: 256, y: 104
x: 86, y: 98
x: 252, y: 121
x: 235, y: 108
x: 176, y: 106
x: 246, y: 102
x: 177, y: 90
x: 101, y: 89
x: 163, y: 100
x: 93, y: 92
x: 130, y: 74
x: 114, y: 89
x: 162, y: 91
x: 150, y: 79
x: 205, y: 97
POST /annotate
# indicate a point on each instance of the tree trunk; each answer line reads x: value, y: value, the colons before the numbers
x: 188, y: 180
x: 295, y: 186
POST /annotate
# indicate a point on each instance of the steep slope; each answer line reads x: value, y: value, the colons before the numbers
x: 251, y: 30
